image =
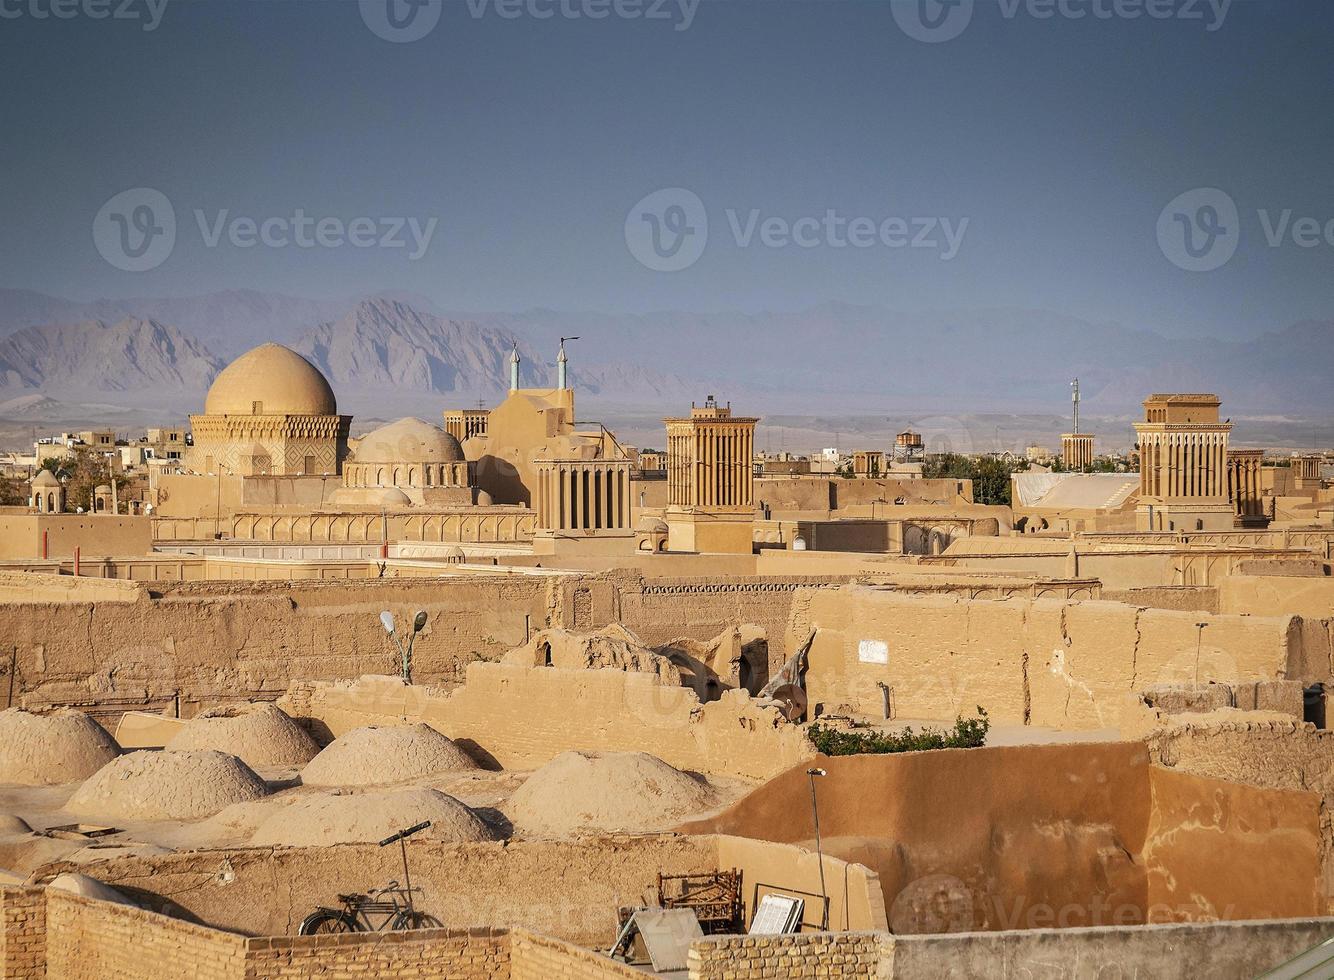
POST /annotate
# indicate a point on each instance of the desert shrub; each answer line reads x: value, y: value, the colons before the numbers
x: 968, y: 733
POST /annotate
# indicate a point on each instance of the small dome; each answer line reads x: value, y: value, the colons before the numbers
x: 270, y: 380
x: 650, y: 524
x: 484, y: 499
x: 102, y: 488
x: 408, y: 441
x: 45, y: 479
x: 393, y: 497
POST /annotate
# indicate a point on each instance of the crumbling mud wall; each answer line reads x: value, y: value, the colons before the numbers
x: 1284, y: 754
x: 113, y: 646
x: 1031, y: 837
x: 569, y: 889
x: 1225, y: 850
x: 522, y: 717
x: 1042, y: 662
x: 212, y: 642
x: 662, y: 609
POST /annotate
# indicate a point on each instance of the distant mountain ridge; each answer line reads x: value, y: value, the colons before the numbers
x: 834, y: 358
x: 94, y: 356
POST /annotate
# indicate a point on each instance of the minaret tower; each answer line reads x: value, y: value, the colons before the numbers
x: 562, y: 365
x: 514, y: 367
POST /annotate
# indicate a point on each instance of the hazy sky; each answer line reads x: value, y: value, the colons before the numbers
x: 1058, y: 139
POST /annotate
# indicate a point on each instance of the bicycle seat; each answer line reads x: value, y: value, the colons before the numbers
x: 348, y: 899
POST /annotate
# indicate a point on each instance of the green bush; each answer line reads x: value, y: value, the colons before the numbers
x: 968, y: 733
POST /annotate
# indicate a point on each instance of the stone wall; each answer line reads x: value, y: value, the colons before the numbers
x: 811, y: 956
x: 22, y: 933
x: 1042, y: 662
x: 522, y: 717
x: 90, y: 940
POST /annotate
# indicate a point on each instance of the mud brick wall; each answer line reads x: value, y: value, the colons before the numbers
x: 88, y: 940
x: 471, y: 954
x: 22, y: 933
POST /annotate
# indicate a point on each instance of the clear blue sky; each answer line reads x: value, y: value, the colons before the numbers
x: 529, y: 140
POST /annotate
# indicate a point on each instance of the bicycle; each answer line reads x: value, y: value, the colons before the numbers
x: 360, y: 911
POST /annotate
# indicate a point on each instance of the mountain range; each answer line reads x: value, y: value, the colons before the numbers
x: 400, y: 351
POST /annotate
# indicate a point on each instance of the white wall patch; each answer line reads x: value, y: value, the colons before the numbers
x: 873, y: 652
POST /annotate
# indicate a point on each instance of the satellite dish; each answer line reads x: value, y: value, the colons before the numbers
x: 387, y: 619
x: 419, y: 621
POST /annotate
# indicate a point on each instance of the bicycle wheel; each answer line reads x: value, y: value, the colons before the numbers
x: 325, y: 921
x: 414, y: 920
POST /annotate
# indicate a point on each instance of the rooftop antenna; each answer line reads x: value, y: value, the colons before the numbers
x: 562, y: 362
x: 1074, y: 397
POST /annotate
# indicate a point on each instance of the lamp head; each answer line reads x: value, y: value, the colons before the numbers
x: 387, y: 621
x: 816, y: 772
x: 419, y: 621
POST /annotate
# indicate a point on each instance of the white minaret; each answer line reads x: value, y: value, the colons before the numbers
x: 514, y: 367
x: 1074, y: 395
x: 562, y: 365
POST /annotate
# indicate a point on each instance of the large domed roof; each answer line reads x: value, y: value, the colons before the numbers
x: 408, y: 441
x: 270, y: 380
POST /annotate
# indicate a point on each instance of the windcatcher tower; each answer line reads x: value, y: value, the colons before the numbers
x: 710, y: 480
x: 1183, y: 463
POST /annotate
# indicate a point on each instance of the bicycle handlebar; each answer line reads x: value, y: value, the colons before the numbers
x: 374, y: 892
x: 404, y: 834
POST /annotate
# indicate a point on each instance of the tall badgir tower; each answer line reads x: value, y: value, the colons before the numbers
x: 1183, y: 465
x: 710, y: 481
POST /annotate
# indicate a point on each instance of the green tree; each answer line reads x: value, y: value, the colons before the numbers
x: 11, y: 492
x: 991, y: 477
x: 82, y: 472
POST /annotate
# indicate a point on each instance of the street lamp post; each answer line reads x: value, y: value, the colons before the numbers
x: 819, y: 851
x: 405, y: 655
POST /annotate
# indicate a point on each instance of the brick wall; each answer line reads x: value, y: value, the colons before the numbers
x: 534, y: 957
x: 22, y: 933
x: 89, y: 940
x: 828, y: 956
x: 458, y: 954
